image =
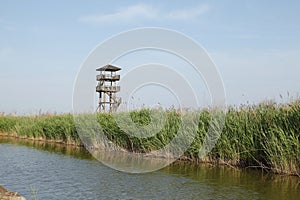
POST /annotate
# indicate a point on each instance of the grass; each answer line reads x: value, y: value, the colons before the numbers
x: 48, y: 127
x: 264, y: 136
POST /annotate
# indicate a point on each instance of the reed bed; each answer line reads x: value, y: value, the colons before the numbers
x: 263, y: 136
x: 57, y: 128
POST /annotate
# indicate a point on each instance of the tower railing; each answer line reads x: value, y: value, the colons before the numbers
x: 107, y: 88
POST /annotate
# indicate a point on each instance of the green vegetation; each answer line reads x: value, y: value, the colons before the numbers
x: 60, y: 128
x: 265, y: 135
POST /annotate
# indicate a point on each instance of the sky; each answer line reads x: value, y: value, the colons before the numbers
x: 254, y: 44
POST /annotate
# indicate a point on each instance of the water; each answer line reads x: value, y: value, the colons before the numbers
x: 45, y: 171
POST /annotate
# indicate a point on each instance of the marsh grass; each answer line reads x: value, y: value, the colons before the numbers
x: 48, y: 127
x: 261, y: 136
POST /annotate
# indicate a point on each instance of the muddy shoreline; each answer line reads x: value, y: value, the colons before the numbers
x: 59, y: 142
x: 6, y: 194
x: 235, y: 164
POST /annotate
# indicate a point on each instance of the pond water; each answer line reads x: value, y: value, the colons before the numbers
x: 47, y: 171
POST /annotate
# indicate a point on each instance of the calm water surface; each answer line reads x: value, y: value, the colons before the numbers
x: 45, y: 171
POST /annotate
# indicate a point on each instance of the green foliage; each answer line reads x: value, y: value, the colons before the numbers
x: 51, y: 127
x: 266, y: 135
x: 141, y: 117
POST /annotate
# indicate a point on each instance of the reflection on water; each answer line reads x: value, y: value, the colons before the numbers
x: 69, y: 150
x: 263, y: 185
x: 59, y: 172
x: 131, y: 162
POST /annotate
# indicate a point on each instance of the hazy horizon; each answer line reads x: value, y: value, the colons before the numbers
x: 254, y: 44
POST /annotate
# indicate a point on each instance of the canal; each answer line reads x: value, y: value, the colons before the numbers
x: 46, y: 171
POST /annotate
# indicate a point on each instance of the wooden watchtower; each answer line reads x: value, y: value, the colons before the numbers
x: 107, y: 88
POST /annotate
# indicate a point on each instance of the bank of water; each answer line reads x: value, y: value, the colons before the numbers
x: 46, y: 171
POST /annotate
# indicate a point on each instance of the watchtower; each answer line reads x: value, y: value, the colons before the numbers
x: 107, y: 88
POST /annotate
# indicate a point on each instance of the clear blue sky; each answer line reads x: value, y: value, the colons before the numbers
x: 255, y: 44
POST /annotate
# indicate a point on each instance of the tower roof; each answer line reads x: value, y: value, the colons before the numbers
x: 108, y: 68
